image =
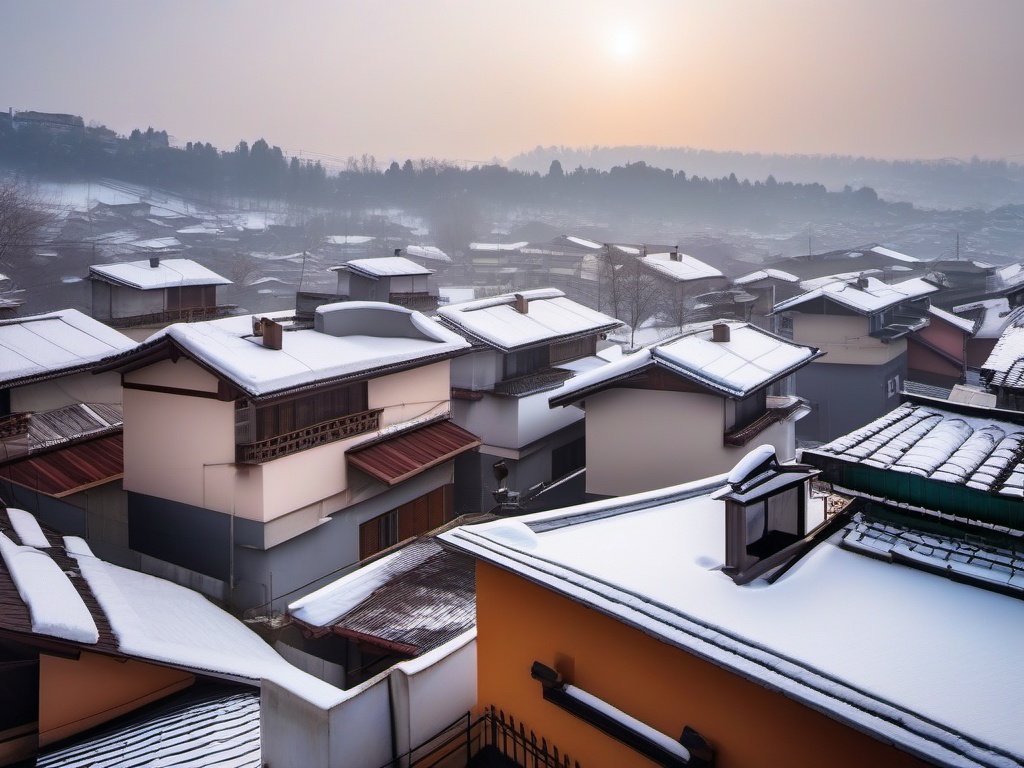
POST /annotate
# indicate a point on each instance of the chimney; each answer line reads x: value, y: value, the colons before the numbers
x: 522, y: 304
x: 862, y: 282
x: 674, y: 256
x: 154, y: 262
x: 398, y: 251
x: 270, y: 331
x: 720, y: 332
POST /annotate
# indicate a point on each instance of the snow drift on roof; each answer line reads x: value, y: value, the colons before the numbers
x: 431, y: 252
x: 46, y: 345
x: 168, y: 273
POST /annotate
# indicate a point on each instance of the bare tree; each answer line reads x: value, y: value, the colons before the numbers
x: 22, y: 218
x: 640, y: 294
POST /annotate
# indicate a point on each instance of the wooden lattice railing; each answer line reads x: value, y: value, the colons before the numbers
x: 308, y: 437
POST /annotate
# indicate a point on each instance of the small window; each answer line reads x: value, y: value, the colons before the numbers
x: 893, y: 386
x: 568, y: 458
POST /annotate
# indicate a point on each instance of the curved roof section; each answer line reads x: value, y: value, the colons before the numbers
x: 168, y: 273
x: 549, y: 317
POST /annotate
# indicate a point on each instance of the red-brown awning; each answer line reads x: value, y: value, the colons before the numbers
x: 400, y: 457
x: 69, y: 470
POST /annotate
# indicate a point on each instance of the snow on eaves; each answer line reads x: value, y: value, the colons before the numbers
x: 308, y: 356
x: 939, y: 445
x: 881, y: 251
x: 549, y: 317
x: 867, y: 297
x: 168, y: 273
x: 766, y: 274
x: 49, y: 344
x: 957, y: 322
x: 1005, y: 362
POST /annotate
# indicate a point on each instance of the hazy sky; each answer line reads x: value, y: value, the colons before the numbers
x: 477, y: 79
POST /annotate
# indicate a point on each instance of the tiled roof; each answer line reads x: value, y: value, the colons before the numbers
x: 64, y: 471
x: 982, y: 453
x: 1005, y: 364
x: 216, y: 726
x: 397, y: 458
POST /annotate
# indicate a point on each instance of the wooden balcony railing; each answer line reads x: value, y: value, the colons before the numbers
x: 309, y: 437
x: 185, y: 315
x: 14, y: 425
x: 421, y: 302
x: 784, y: 409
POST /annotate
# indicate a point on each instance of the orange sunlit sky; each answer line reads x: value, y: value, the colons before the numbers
x: 479, y: 79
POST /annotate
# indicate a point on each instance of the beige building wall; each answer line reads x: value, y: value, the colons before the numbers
x: 640, y: 440
x: 68, y: 390
x: 183, y: 374
x: 845, y: 339
x: 75, y: 695
x: 409, y: 394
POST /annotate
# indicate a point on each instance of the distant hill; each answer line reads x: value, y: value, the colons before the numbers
x: 946, y: 183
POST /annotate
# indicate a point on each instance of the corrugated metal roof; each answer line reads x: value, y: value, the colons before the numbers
x: 215, y: 725
x: 400, y: 457
x: 68, y: 470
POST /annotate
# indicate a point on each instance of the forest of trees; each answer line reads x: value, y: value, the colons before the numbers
x: 263, y: 171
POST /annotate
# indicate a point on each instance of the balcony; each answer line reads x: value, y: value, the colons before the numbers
x: 183, y: 315
x: 779, y: 409
x: 420, y: 302
x: 308, y: 437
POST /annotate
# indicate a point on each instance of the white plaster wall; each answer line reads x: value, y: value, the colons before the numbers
x: 183, y: 374
x: 57, y: 393
x: 639, y: 440
x: 409, y: 394
x: 129, y: 302
x: 509, y: 422
x: 845, y: 339
x: 478, y: 370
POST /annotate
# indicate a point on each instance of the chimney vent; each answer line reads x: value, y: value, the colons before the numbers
x: 720, y: 332
x: 154, y: 262
x: 675, y: 256
x: 398, y: 251
x: 257, y: 326
x: 862, y: 282
x: 522, y: 304
x: 273, y: 335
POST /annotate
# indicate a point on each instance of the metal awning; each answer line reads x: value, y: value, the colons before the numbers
x: 404, y: 455
x: 68, y: 470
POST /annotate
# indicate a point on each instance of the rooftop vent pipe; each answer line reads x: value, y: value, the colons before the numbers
x: 720, y: 332
x: 398, y: 251
x: 154, y: 262
x: 675, y: 256
x: 522, y: 304
x: 862, y: 282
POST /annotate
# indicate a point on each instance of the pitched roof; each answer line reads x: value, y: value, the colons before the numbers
x: 431, y: 252
x: 401, y: 456
x: 965, y: 325
x: 866, y: 297
x: 752, y: 359
x: 382, y: 338
x: 54, y: 344
x: 386, y: 266
x: 169, y: 273
x: 1005, y: 364
x: 549, y: 317
x: 69, y: 470
x: 881, y: 659
x: 766, y: 274
x: 414, y: 599
x: 682, y: 269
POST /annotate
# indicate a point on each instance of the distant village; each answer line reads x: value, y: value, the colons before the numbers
x: 288, y: 498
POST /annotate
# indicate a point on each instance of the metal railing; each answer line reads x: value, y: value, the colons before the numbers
x: 774, y: 415
x: 308, y: 437
x: 14, y: 425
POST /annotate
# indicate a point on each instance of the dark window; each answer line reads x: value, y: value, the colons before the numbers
x: 411, y: 519
x: 774, y: 523
x: 5, y: 402
x: 525, y: 362
x: 262, y: 422
x: 568, y: 458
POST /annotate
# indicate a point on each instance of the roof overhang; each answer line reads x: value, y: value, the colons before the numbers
x: 397, y: 457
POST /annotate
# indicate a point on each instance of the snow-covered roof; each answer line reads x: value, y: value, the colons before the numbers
x: 1005, y: 362
x: 766, y: 274
x: 549, y: 317
x: 909, y: 657
x: 310, y: 357
x: 431, y: 252
x: 498, y: 246
x: 386, y: 266
x: 817, y: 282
x: 994, y: 316
x: 882, y: 251
x: 149, y: 618
x: 959, y: 322
x: 158, y: 244
x: 582, y: 241
x: 979, y: 451
x: 681, y: 269
x: 53, y: 344
x: 348, y: 239
x: 750, y: 360
x: 168, y: 273
x: 873, y: 296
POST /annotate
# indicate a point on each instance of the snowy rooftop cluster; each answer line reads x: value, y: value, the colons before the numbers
x: 43, y: 346
x: 766, y: 274
x: 150, y: 618
x: 168, y: 273
x: 1005, y: 363
x: 914, y: 658
x: 386, y: 266
x: 310, y: 356
x: 498, y: 246
x: 681, y: 269
x: 940, y: 445
x: 864, y: 296
x: 549, y: 317
x: 751, y: 359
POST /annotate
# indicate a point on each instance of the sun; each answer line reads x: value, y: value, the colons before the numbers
x: 624, y: 43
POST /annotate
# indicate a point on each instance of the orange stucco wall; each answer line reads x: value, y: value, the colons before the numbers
x: 519, y: 622
x: 77, y: 695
